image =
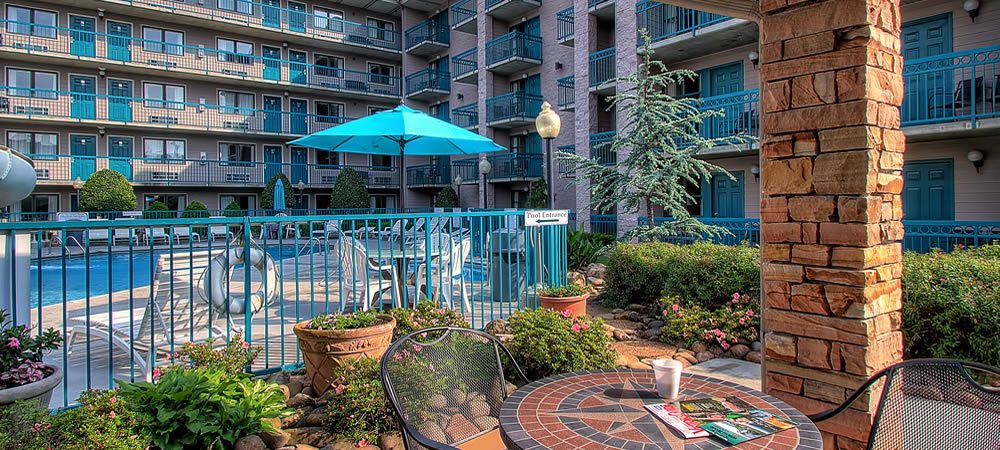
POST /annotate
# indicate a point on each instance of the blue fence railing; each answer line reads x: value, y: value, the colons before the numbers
x: 741, y: 114
x: 513, y: 45
x: 429, y: 31
x: 152, y: 285
x: 565, y: 27
x: 953, y: 86
x: 566, y: 94
x: 268, y: 67
x: 604, y: 224
x: 463, y: 10
x: 428, y: 79
x: 602, y: 66
x: 513, y: 166
x: 566, y: 168
x: 492, y: 3
x: 513, y: 106
x: 465, y: 62
x: 600, y: 148
x: 467, y: 168
x: 429, y: 175
x: 663, y: 21
x: 466, y: 116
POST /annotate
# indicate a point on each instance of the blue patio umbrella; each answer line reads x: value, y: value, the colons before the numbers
x: 400, y: 131
x: 279, y: 196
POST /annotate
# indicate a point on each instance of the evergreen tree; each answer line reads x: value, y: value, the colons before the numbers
x: 538, y: 195
x: 349, y: 191
x: 446, y: 198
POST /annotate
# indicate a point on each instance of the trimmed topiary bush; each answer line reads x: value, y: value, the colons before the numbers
x: 267, y: 197
x: 196, y: 210
x: 349, y: 191
x: 547, y: 343
x: 446, y: 198
x: 107, y: 190
x: 157, y: 210
x: 233, y: 210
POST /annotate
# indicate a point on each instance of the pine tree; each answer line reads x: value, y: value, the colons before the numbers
x: 661, y: 137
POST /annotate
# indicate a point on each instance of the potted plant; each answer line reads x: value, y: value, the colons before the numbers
x: 23, y: 375
x: 328, y: 340
x: 570, y: 297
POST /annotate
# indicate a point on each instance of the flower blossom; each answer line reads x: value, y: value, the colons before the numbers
x: 362, y: 443
x: 675, y: 307
x: 113, y: 400
x: 577, y: 328
x: 339, y: 390
x: 12, y: 342
x: 566, y: 313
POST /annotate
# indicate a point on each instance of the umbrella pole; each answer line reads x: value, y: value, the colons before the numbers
x: 402, y: 177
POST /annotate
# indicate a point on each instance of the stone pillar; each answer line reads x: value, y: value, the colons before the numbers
x: 626, y: 62
x: 832, y: 158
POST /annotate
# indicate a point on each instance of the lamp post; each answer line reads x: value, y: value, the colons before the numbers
x: 301, y: 188
x: 484, y: 169
x: 77, y: 184
x: 548, y: 123
x: 458, y: 182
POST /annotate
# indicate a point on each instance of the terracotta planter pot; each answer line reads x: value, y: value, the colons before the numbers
x: 39, y: 391
x: 324, y: 350
x: 577, y: 306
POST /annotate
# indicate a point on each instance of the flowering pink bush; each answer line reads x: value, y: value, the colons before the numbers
x: 21, y: 353
x: 734, y: 323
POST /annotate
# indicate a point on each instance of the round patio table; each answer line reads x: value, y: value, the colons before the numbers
x: 604, y: 410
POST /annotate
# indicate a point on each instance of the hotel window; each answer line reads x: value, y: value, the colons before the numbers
x: 164, y: 149
x: 325, y: 158
x: 233, y: 152
x: 329, y: 66
x: 380, y: 73
x: 167, y: 96
x: 31, y: 22
x: 328, y: 19
x: 158, y: 40
x: 174, y: 202
x: 235, y: 51
x: 39, y: 207
x: 240, y: 6
x: 31, y: 83
x: 382, y: 161
x: 245, y: 202
x: 327, y: 112
x: 380, y: 29
x: 36, y: 145
x: 375, y: 109
x: 231, y: 102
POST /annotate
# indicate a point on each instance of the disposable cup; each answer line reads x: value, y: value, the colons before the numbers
x: 668, y: 377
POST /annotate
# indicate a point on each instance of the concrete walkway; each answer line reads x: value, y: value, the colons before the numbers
x: 735, y: 370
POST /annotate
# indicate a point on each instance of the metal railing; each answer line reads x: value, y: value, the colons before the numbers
x: 566, y: 93
x: 491, y: 3
x: 467, y: 168
x: 664, y: 21
x: 924, y: 235
x: 602, y: 66
x: 513, y: 45
x: 86, y: 107
x: 431, y: 31
x: 429, y: 175
x: 126, y: 294
x: 428, y: 79
x: 604, y: 224
x: 464, y: 63
x: 512, y: 106
x: 953, y: 86
x: 567, y: 168
x: 463, y: 10
x: 600, y: 148
x: 271, y: 17
x: 514, y: 166
x: 595, y: 3
x: 127, y: 50
x: 466, y: 116
x: 741, y: 114
x: 565, y: 27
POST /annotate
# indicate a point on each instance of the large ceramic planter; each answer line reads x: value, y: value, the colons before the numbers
x: 325, y: 350
x: 577, y: 306
x: 39, y: 391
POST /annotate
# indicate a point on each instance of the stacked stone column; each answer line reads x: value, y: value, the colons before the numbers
x: 831, y: 210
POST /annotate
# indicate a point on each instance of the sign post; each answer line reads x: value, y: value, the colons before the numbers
x: 546, y: 250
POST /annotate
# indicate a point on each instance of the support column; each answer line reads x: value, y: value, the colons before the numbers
x: 626, y: 61
x: 832, y: 159
x: 586, y: 109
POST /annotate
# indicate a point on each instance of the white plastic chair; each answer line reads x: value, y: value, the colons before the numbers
x: 354, y: 275
x: 216, y: 231
x: 98, y: 234
x: 186, y: 233
x: 158, y: 234
x: 451, y: 260
x: 394, y: 231
x: 126, y: 234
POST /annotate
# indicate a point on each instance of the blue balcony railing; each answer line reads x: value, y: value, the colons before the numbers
x: 513, y: 106
x: 566, y: 168
x: 564, y: 24
x: 158, y: 55
x: 463, y: 10
x: 741, y: 114
x: 595, y: 3
x: 491, y: 3
x: 514, y: 166
x: 429, y: 175
x: 600, y: 148
x: 466, y: 116
x: 430, y: 31
x: 513, y: 45
x: 663, y: 21
x: 275, y: 18
x: 464, y: 63
x: 604, y: 224
x: 566, y: 95
x: 953, y: 86
x: 602, y: 67
x: 467, y: 168
x: 100, y: 109
x: 428, y: 79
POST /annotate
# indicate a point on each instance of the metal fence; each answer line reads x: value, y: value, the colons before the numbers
x: 463, y: 10
x: 125, y: 294
x: 953, y: 86
x: 515, y: 44
x: 602, y: 66
x: 565, y: 28
x: 664, y: 21
x: 464, y: 63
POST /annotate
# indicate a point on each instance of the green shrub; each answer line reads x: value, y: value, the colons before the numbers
x: 702, y: 273
x: 267, y: 196
x: 101, y: 422
x: 107, y: 190
x: 232, y: 359
x: 349, y: 191
x: 24, y: 425
x: 538, y: 195
x: 736, y: 322
x: 359, y: 410
x: 682, y: 324
x: 197, y: 210
x: 951, y: 305
x: 546, y: 343
x: 446, y: 198
x: 157, y: 210
x: 425, y: 314
x: 586, y: 248
x: 233, y: 209
x: 569, y: 290
x: 202, y: 408
x: 351, y: 321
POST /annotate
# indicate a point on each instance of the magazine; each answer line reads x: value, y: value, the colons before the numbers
x: 728, y: 418
x: 714, y: 408
x: 669, y: 414
x: 749, y: 426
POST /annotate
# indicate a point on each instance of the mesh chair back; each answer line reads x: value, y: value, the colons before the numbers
x: 937, y: 404
x: 447, y: 384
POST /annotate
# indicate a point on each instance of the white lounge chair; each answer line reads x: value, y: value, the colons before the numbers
x: 219, y: 230
x: 451, y: 261
x: 127, y: 234
x: 394, y: 231
x: 357, y: 273
x: 186, y: 233
x: 98, y: 234
x: 157, y: 234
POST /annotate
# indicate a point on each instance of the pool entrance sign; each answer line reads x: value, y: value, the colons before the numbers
x: 542, y: 218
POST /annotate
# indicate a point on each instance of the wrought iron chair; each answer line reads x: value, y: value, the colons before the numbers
x: 447, y: 385
x: 932, y: 404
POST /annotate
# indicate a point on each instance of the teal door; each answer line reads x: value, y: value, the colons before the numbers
x: 271, y: 12
x: 297, y: 66
x: 727, y: 195
x: 83, y: 149
x: 725, y: 79
x: 720, y: 81
x: 300, y: 166
x: 272, y: 62
x: 272, y: 161
x: 120, y: 152
x: 928, y: 194
x: 119, y: 41
x: 272, y: 114
x: 83, y: 92
x: 928, y: 95
x: 81, y: 36
x: 299, y: 116
x: 296, y: 16
x: 120, y: 100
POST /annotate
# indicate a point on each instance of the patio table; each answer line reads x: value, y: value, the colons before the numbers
x: 604, y: 410
x: 400, y: 255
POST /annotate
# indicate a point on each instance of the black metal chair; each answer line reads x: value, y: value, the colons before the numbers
x: 931, y: 404
x: 447, y: 385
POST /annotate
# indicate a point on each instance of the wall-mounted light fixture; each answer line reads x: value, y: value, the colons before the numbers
x: 100, y: 13
x: 755, y: 170
x: 754, y: 58
x: 101, y: 131
x: 977, y: 158
x: 971, y: 7
x: 101, y: 72
x: 460, y: 96
x: 559, y: 65
x: 285, y: 94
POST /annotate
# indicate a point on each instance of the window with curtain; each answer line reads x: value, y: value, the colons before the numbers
x: 167, y: 96
x: 235, y: 51
x: 164, y: 149
x: 235, y: 152
x: 32, y: 83
x: 381, y: 30
x: 232, y: 102
x: 328, y: 19
x: 31, y: 22
x: 36, y: 145
x: 329, y: 112
x: 329, y: 66
x: 158, y: 40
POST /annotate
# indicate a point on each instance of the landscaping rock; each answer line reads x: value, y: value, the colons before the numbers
x: 252, y: 442
x: 716, y: 350
x: 688, y: 357
x: 739, y: 350
x: 478, y: 408
x: 577, y: 278
x: 645, y: 349
x: 635, y: 307
x: 485, y: 423
x: 305, y: 447
x: 275, y: 439
x: 646, y: 321
x: 753, y: 357
x: 617, y: 311
x: 308, y: 390
x: 756, y: 346
x: 496, y: 327
x: 705, y: 356
x: 656, y: 324
x: 651, y: 334
x: 595, y: 281
x: 511, y: 387
x: 313, y: 419
x: 391, y: 441
x: 624, y: 360
x: 699, y: 347
x: 684, y: 362
x: 457, y: 396
x: 294, y: 388
x: 621, y: 335
x: 606, y: 316
x: 291, y: 420
x: 300, y: 400
x: 315, y: 436
x: 596, y: 270
x: 437, y: 401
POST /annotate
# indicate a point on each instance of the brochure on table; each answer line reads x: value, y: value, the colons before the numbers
x: 728, y: 418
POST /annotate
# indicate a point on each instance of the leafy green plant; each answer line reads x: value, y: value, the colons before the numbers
x: 107, y: 190
x: 101, y: 422
x: 538, y: 195
x: 586, y: 248
x: 569, y: 290
x: 232, y: 358
x: 351, y: 321
x: 359, y: 410
x: 196, y: 210
x: 425, y: 314
x: 233, y: 209
x: 25, y: 425
x: 21, y: 353
x: 267, y: 195
x: 736, y: 322
x: 446, y: 198
x: 202, y: 408
x: 349, y: 191
x: 546, y: 343
x: 157, y: 210
x: 683, y: 324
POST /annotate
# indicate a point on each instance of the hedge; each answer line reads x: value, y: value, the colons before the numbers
x: 107, y: 190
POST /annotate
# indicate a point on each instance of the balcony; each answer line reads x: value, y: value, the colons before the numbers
x: 428, y: 84
x: 511, y: 110
x: 468, y: 169
x: 465, y: 67
x: 600, y: 148
x: 429, y: 37
x: 679, y: 33
x: 423, y: 5
x: 565, y: 27
x: 513, y: 52
x: 602, y: 71
x: 566, y: 95
x: 566, y: 169
x: 463, y: 16
x: 32, y: 105
x: 602, y: 9
x: 510, y: 10
x: 466, y: 116
x: 741, y: 115
x: 604, y: 224
x: 429, y: 176
x: 508, y: 167
x: 951, y: 93
x: 64, y: 169
x: 144, y: 56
